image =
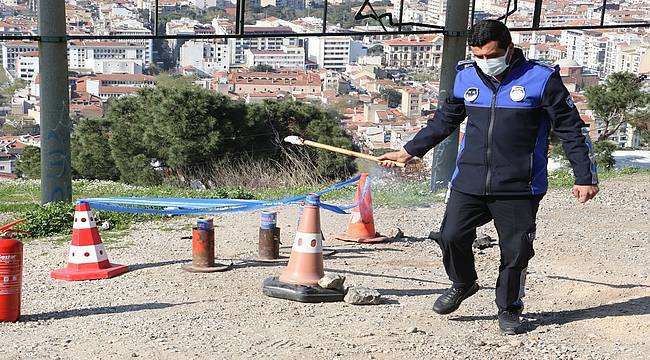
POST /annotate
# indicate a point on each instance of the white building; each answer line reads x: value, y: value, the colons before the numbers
x: 286, y: 57
x: 411, y: 102
x: 117, y: 66
x: 625, y: 55
x: 82, y: 55
x: 207, y: 55
x: 11, y: 50
x: 114, y: 86
x: 586, y: 47
x: 239, y: 46
x: 27, y: 65
x: 185, y: 26
x: 331, y: 53
x: 436, y: 10
x: 413, y: 51
x: 134, y: 27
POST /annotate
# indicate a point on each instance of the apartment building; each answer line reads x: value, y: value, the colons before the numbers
x: 185, y: 26
x: 84, y: 54
x: 239, y: 46
x: 244, y: 82
x: 625, y: 55
x: 114, y: 85
x: 413, y: 51
x: 331, y: 53
x: 11, y: 50
x: 27, y: 65
x: 286, y: 57
x: 134, y: 27
x: 586, y: 47
x: 206, y: 55
x: 436, y: 10
x: 411, y: 102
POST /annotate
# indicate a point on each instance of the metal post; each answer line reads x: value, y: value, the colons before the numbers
x: 454, y: 49
x: 56, y: 183
x: 537, y: 14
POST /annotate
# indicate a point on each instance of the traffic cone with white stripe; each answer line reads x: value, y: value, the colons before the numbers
x: 306, y: 261
x: 361, y: 227
x: 299, y: 281
x: 87, y: 258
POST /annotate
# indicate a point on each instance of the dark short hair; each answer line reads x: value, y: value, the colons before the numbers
x: 489, y: 30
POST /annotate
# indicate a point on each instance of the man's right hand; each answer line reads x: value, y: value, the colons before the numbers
x: 399, y: 156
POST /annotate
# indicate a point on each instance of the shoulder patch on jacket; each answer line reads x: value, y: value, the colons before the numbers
x: 464, y: 64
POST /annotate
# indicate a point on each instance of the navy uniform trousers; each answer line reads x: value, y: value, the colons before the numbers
x: 514, y: 219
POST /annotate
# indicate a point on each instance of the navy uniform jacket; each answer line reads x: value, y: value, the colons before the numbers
x: 504, y: 150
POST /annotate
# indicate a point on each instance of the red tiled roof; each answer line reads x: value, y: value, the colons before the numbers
x: 413, y: 40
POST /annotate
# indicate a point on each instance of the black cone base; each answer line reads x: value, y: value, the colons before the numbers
x: 308, y: 294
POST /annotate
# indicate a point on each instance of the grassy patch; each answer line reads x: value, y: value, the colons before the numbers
x: 20, y: 198
x: 564, y: 178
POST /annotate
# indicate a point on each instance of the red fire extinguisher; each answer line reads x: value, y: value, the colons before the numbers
x: 11, y: 273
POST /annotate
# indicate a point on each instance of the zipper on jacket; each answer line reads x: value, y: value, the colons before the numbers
x: 488, y: 152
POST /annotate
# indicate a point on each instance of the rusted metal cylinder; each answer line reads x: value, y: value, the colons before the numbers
x: 269, y: 243
x: 203, y: 248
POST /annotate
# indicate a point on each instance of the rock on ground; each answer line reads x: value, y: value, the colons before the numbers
x: 362, y: 296
x: 332, y: 281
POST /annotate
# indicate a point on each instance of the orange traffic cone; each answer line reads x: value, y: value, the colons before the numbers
x: 361, y: 227
x: 299, y: 282
x: 87, y: 259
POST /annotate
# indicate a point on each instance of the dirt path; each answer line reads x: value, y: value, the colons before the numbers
x: 588, y: 293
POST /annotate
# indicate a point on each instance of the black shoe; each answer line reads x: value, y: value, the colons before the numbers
x: 510, y: 321
x: 451, y: 299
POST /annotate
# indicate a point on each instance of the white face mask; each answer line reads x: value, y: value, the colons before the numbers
x: 493, y: 67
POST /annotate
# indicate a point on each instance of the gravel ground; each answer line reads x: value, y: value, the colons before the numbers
x: 588, y: 293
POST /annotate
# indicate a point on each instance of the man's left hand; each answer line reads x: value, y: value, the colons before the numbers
x: 584, y: 193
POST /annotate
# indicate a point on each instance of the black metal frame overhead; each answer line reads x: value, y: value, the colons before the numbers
x: 240, y: 32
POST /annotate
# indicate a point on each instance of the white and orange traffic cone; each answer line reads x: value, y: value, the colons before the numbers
x: 87, y: 258
x: 361, y: 227
x: 299, y: 282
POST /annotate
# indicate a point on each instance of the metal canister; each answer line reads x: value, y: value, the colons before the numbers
x: 269, y: 240
x: 269, y: 220
x: 11, y: 270
x: 205, y: 223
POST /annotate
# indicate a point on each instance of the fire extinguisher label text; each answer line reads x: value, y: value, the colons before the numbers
x: 8, y: 258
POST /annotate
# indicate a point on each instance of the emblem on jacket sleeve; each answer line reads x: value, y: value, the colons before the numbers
x: 570, y: 102
x: 517, y: 93
x: 471, y: 94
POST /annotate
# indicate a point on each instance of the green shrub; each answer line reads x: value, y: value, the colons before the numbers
x: 57, y: 219
x: 603, y: 154
x: 50, y: 219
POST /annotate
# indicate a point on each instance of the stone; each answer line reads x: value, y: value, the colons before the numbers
x: 105, y: 225
x: 412, y: 330
x: 395, y: 233
x: 332, y: 281
x: 362, y: 296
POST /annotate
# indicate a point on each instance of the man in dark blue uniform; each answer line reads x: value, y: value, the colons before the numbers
x: 511, y: 104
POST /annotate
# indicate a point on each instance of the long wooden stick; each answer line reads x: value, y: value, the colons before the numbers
x: 299, y: 141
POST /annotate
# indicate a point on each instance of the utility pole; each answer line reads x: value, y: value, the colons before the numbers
x: 454, y: 49
x: 56, y: 181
